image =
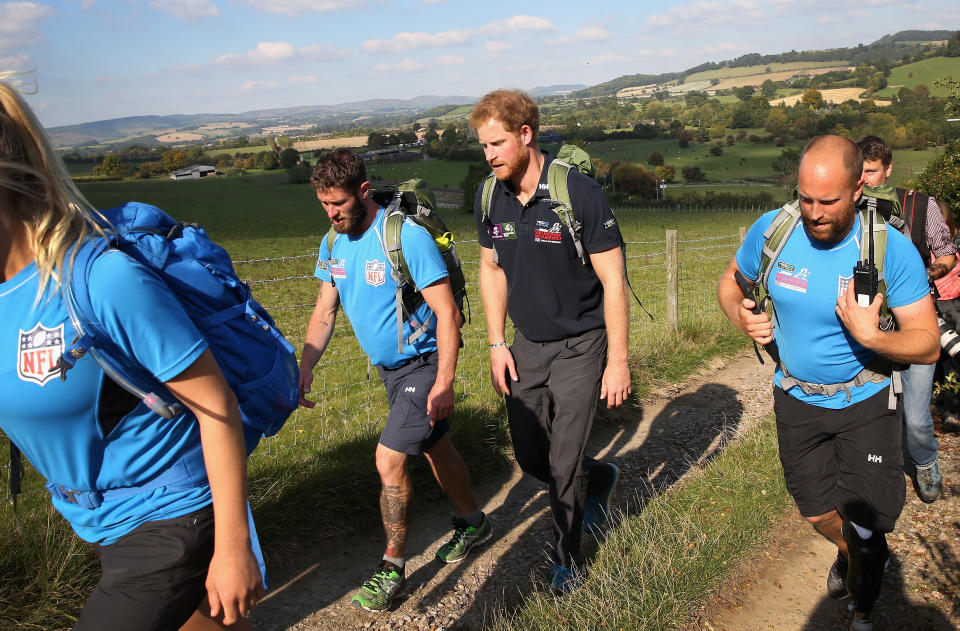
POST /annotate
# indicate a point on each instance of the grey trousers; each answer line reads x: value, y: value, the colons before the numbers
x: 551, y: 411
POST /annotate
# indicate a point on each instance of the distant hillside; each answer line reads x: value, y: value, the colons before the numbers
x: 555, y: 90
x: 890, y: 47
x: 144, y: 128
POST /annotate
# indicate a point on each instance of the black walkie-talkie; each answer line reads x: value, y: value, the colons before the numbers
x: 865, y: 277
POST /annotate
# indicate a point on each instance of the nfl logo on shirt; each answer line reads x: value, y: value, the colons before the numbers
x: 375, y: 273
x: 39, y: 350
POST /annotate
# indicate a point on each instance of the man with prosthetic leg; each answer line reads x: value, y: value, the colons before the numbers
x: 839, y: 436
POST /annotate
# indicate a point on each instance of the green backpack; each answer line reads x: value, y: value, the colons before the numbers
x: 777, y: 234
x: 413, y: 200
x: 567, y: 158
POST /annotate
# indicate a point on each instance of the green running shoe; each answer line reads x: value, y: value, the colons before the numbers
x: 378, y: 593
x: 464, y: 538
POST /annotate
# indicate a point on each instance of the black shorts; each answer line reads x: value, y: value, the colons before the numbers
x: 408, y: 428
x: 153, y: 578
x: 849, y: 459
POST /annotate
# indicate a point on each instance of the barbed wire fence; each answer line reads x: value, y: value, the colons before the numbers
x: 674, y: 278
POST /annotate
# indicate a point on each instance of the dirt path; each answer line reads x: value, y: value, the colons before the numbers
x: 785, y: 586
x: 655, y: 443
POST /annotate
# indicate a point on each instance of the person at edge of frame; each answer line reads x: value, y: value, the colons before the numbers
x: 839, y: 439
x: 571, y: 321
x: 931, y: 236
x: 355, y: 272
x: 178, y: 556
x: 948, y: 308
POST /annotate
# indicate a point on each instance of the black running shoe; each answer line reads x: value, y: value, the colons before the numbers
x: 837, y: 578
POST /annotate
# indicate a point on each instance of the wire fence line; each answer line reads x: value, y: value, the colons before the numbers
x: 349, y: 398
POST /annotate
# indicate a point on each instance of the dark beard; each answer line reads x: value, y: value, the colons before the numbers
x: 353, y: 219
x: 835, y: 233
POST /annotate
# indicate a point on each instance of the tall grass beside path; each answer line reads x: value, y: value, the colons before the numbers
x: 657, y: 566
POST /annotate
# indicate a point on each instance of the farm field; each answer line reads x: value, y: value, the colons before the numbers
x: 833, y: 95
x: 330, y: 143
x: 923, y: 72
x: 757, y: 79
x: 437, y: 172
x: 746, y: 71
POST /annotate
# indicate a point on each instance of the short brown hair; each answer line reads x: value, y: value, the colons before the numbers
x: 513, y: 108
x: 850, y: 155
x: 873, y: 148
x: 341, y: 168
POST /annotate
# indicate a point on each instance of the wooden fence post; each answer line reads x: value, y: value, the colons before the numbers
x: 673, y: 281
x: 743, y: 234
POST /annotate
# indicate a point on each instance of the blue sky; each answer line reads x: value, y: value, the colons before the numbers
x: 100, y: 59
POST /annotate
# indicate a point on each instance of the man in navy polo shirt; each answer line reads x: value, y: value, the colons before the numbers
x: 570, y: 319
x: 354, y: 271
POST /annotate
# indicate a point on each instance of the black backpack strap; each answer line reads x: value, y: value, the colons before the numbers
x: 16, y: 479
x: 914, y: 204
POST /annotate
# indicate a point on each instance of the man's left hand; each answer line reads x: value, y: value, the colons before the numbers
x: 440, y: 402
x: 615, y: 386
x: 862, y: 322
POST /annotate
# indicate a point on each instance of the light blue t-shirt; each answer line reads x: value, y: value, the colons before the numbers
x: 360, y: 271
x: 56, y: 423
x: 804, y: 284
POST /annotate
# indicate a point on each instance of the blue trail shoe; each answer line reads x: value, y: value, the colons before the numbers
x: 564, y: 580
x: 596, y: 511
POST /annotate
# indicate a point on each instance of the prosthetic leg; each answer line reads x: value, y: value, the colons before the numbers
x: 868, y: 556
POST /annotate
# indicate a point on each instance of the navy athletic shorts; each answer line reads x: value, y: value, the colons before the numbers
x: 408, y: 428
x: 849, y: 459
x: 153, y: 577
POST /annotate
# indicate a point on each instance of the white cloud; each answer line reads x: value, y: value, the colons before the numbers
x: 831, y: 19
x: 404, y: 65
x: 18, y: 61
x: 108, y: 79
x: 267, y: 53
x: 18, y: 25
x: 588, y: 34
x: 255, y: 86
x: 403, y: 42
x: 302, y: 79
x: 707, y: 13
x: 519, y: 23
x: 409, y: 41
x: 450, y: 60
x: 495, y: 47
x: 187, y: 10
x: 609, y: 59
x: 293, y: 8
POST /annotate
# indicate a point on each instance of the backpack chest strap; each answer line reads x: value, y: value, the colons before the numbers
x: 878, y: 370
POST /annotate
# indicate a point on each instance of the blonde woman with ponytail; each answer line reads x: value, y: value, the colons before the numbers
x: 174, y: 555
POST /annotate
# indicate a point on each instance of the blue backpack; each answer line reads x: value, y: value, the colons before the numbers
x: 258, y: 363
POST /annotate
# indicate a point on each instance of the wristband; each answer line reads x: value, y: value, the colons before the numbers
x: 497, y: 345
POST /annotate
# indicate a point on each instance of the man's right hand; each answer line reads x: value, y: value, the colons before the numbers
x: 501, y: 362
x: 306, y: 380
x: 756, y: 325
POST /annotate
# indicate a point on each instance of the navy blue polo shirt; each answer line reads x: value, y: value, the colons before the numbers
x: 551, y: 294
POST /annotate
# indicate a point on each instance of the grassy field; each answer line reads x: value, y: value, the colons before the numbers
x: 317, y: 476
x: 923, y: 72
x: 746, y: 71
x: 436, y: 172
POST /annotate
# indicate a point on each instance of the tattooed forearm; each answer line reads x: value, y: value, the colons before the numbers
x: 394, y: 503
